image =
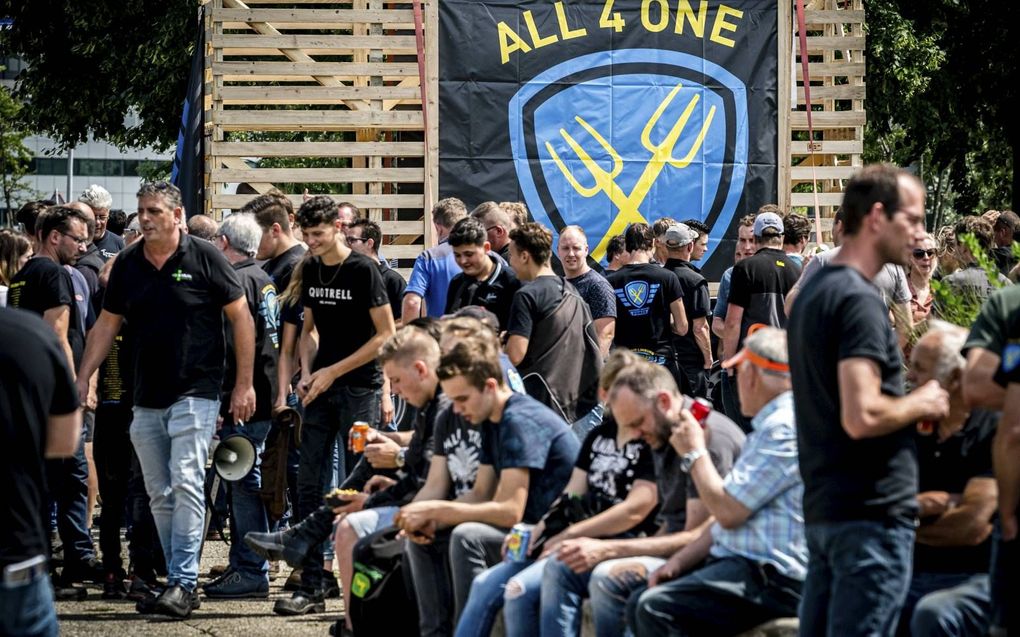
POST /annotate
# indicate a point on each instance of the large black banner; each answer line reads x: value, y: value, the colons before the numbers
x: 601, y: 113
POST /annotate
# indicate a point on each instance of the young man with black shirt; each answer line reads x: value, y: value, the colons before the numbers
x: 345, y: 303
x: 592, y: 286
x: 365, y: 237
x: 701, y: 241
x: 175, y: 291
x: 278, y: 248
x: 485, y: 278
x: 238, y: 240
x: 526, y: 458
x: 694, y: 349
x: 550, y: 331
x: 649, y: 303
x: 858, y: 459
x: 39, y: 418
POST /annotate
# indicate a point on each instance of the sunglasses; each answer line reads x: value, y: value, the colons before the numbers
x: 920, y: 254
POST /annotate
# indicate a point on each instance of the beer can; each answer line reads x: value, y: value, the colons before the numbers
x: 926, y: 427
x: 359, y: 434
x: 517, y: 544
x: 700, y: 409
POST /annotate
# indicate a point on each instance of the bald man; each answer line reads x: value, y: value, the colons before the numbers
x: 592, y: 286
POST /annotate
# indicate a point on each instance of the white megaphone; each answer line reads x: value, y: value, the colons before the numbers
x: 234, y: 457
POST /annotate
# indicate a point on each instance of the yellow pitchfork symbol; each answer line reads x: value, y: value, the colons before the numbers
x: 605, y: 181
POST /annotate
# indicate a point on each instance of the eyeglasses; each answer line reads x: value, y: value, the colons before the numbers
x: 920, y: 254
x: 491, y: 228
x: 357, y: 239
x: 81, y: 242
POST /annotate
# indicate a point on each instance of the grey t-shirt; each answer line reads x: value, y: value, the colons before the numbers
x: 891, y: 280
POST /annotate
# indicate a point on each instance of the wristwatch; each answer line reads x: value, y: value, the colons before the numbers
x: 400, y: 460
x: 688, y: 459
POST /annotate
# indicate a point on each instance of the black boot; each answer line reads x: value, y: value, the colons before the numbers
x: 293, y: 544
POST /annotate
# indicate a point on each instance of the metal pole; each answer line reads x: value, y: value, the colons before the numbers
x: 70, y: 175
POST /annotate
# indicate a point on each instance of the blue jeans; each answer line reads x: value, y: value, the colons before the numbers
x: 330, y: 415
x: 858, y: 577
x: 611, y: 584
x: 1005, y: 584
x: 248, y: 513
x: 27, y: 610
x: 512, y: 586
x: 173, y: 446
x: 947, y: 605
x: 563, y: 593
x: 67, y: 480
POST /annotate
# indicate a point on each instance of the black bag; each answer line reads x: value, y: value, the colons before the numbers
x: 381, y: 600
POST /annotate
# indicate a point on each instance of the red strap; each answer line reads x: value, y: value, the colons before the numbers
x: 419, y: 39
x: 811, y: 145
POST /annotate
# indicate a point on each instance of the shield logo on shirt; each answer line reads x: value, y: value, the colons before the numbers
x: 637, y: 293
x: 1010, y: 357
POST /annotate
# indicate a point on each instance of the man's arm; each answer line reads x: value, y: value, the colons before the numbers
x: 704, y: 339
x: 1005, y: 451
x: 866, y: 412
x: 63, y: 433
x: 684, y: 560
x: 97, y: 346
x: 437, y: 483
x: 605, y: 329
x: 969, y: 523
x: 640, y: 501
x: 903, y: 321
x: 321, y: 379
x: 242, y: 398
x: 734, y: 317
x: 680, y: 326
x: 59, y: 317
x: 285, y: 366
x: 309, y: 348
x: 725, y: 508
x: 516, y: 348
x: 412, y: 307
x: 979, y: 386
x: 504, y: 510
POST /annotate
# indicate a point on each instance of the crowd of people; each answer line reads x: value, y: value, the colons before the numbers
x: 820, y: 442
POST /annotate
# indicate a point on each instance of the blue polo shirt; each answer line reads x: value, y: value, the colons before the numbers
x: 431, y: 276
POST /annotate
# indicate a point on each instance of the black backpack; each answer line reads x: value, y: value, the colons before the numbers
x: 381, y: 600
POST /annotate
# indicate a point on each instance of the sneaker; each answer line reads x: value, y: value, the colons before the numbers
x: 330, y: 586
x: 63, y: 592
x: 177, y: 601
x: 236, y: 586
x: 113, y: 586
x: 300, y: 603
x: 293, y: 582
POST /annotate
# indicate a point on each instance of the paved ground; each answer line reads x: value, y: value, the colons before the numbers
x: 96, y: 616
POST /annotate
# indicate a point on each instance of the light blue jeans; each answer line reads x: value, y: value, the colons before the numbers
x: 611, y: 585
x: 513, y: 586
x: 173, y: 446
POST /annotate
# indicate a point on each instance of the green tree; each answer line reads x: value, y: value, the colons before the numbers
x: 15, y: 157
x: 93, y: 65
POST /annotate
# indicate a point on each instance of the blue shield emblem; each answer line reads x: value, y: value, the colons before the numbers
x: 637, y: 293
x: 618, y: 137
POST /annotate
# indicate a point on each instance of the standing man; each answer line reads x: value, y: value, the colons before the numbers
x: 485, y: 278
x: 278, y: 248
x: 238, y: 240
x: 744, y: 249
x: 701, y: 242
x: 39, y: 418
x: 693, y: 349
x: 434, y: 268
x: 497, y: 223
x: 592, y: 286
x: 796, y: 232
x: 346, y: 305
x: 616, y: 254
x: 175, y: 290
x: 107, y: 243
x: 365, y: 237
x: 857, y: 453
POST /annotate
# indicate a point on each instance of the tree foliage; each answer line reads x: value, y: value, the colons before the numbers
x: 15, y: 157
x: 93, y: 65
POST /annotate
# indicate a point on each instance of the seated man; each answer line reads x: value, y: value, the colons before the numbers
x: 949, y: 592
x: 526, y: 458
x: 609, y: 570
x: 749, y: 566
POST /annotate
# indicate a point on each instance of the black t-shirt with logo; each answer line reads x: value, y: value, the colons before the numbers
x: 260, y: 293
x: 108, y: 245
x: 495, y: 294
x: 176, y: 314
x: 461, y: 444
x: 340, y: 297
x: 697, y: 304
x: 840, y: 315
x: 644, y: 293
x: 948, y: 466
x: 35, y: 383
x: 43, y: 285
x: 280, y: 267
x: 759, y: 284
x: 395, y: 286
x: 612, y: 469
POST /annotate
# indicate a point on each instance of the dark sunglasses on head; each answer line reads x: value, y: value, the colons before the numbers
x: 920, y: 254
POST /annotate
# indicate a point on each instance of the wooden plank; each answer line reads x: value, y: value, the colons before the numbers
x: 798, y: 199
x: 318, y: 43
x: 319, y: 175
x: 315, y: 26
x: 821, y: 70
x: 805, y: 173
x: 281, y: 95
x: 257, y: 70
x: 837, y: 16
x: 361, y: 201
x: 837, y: 92
x: 431, y: 188
x: 830, y: 43
x: 848, y: 147
x: 336, y: 120
x: 267, y: 51
x: 395, y: 251
x: 823, y: 120
x: 333, y: 18
x: 318, y: 149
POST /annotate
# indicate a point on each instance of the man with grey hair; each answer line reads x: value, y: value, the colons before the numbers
x: 248, y: 574
x: 949, y: 592
x: 756, y: 551
x: 202, y: 227
x: 434, y: 268
x: 99, y: 199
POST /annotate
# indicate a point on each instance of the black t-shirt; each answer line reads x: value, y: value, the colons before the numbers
x: 42, y: 285
x: 644, y: 293
x: 759, y: 284
x: 260, y: 293
x: 611, y: 469
x: 176, y: 313
x: 840, y: 315
x: 108, y: 245
x: 697, y: 304
x: 35, y: 383
x: 395, y: 286
x: 533, y: 302
x: 948, y: 466
x: 280, y: 267
x: 461, y: 445
x: 495, y: 294
x: 340, y: 297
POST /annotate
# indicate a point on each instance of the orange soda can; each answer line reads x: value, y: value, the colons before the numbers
x: 359, y: 434
x: 926, y: 427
